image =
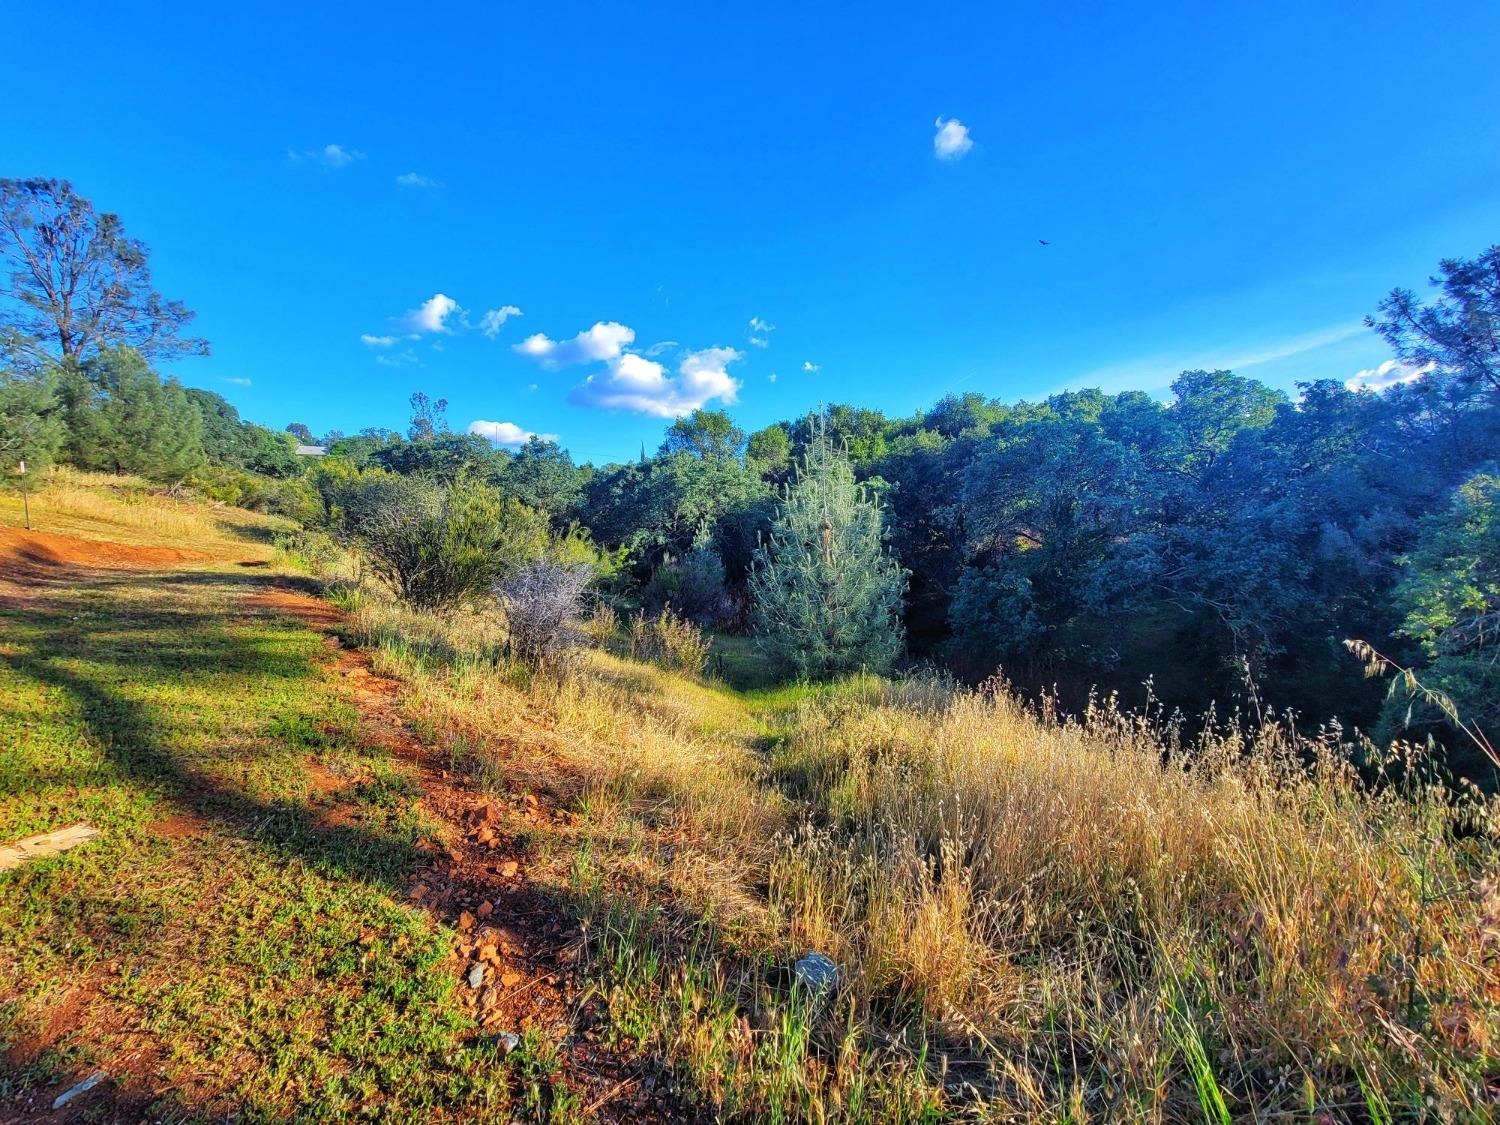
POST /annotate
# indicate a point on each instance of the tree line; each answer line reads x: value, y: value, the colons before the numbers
x: 1216, y: 547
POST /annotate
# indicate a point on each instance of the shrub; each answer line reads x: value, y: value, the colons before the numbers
x: 309, y: 550
x: 439, y: 546
x: 670, y: 640
x: 695, y: 584
x: 542, y: 601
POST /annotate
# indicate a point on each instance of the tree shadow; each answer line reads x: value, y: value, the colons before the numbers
x: 90, y: 657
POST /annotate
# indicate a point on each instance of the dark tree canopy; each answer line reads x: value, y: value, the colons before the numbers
x: 76, y: 284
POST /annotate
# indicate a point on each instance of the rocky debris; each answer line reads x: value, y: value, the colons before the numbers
x: 476, y: 974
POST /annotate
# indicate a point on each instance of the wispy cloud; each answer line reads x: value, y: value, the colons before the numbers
x: 398, y: 359
x: 506, y: 434
x: 809, y: 365
x: 491, y: 322
x: 329, y: 156
x: 760, y: 332
x: 771, y: 378
x: 416, y: 180
x: 606, y: 340
x: 633, y: 382
x: 1153, y: 372
x: 952, y: 139
x: 378, y: 341
x: 1389, y: 374
x: 234, y: 380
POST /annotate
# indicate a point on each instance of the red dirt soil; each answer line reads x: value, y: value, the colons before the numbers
x: 25, y: 551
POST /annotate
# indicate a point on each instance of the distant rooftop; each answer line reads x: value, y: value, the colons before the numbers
x: 311, y: 450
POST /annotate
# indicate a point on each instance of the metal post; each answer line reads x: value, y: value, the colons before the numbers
x: 25, y: 497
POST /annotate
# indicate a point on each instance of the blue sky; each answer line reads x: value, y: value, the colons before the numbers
x: 1220, y: 184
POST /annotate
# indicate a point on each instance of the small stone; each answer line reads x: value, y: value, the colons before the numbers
x: 486, y: 909
x: 531, y: 800
x: 466, y: 921
x: 510, y: 979
x: 476, y: 974
x: 508, y: 870
x: 816, y: 971
x: 81, y: 1088
x: 507, y: 1041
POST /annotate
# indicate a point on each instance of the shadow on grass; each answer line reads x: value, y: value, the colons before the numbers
x: 101, y: 659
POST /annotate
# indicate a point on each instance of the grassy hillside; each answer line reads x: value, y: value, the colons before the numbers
x: 1035, y: 919
x: 120, y: 509
x: 309, y: 846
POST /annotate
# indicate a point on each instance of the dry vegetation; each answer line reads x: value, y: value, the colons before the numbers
x: 126, y: 509
x: 1036, y: 919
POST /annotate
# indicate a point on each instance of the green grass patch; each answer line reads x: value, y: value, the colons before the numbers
x: 243, y: 935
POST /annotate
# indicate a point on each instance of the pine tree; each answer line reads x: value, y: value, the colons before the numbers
x: 123, y: 418
x: 31, y: 427
x: 827, y: 597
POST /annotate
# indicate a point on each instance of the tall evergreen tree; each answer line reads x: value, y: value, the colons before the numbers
x: 31, y: 427
x: 123, y: 418
x: 73, y: 284
x: 827, y: 596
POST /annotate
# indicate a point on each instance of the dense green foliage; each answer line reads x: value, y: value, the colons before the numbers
x: 1451, y: 597
x: 123, y: 418
x: 31, y: 428
x: 826, y: 597
x: 1215, y: 547
x: 438, y: 545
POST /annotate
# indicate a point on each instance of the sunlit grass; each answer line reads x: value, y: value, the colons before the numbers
x: 238, y: 941
x: 126, y: 509
x: 1036, y: 919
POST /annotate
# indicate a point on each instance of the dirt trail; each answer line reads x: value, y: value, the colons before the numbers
x: 519, y: 944
x: 517, y: 949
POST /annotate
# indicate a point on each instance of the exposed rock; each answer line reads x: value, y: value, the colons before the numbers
x: 816, y: 972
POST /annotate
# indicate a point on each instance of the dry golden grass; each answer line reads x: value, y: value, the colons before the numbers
x: 1241, y: 925
x: 1036, y: 919
x: 126, y: 509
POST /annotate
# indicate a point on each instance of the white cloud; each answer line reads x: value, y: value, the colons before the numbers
x: 491, y: 322
x: 329, y: 156
x: 659, y: 347
x: 606, y: 340
x: 416, y: 180
x: 234, y: 380
x: 633, y: 382
x: 771, y: 378
x: 377, y: 341
x: 400, y: 359
x: 431, y: 315
x: 809, y: 365
x: 760, y: 332
x: 952, y: 139
x: 1389, y: 374
x: 507, y: 434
